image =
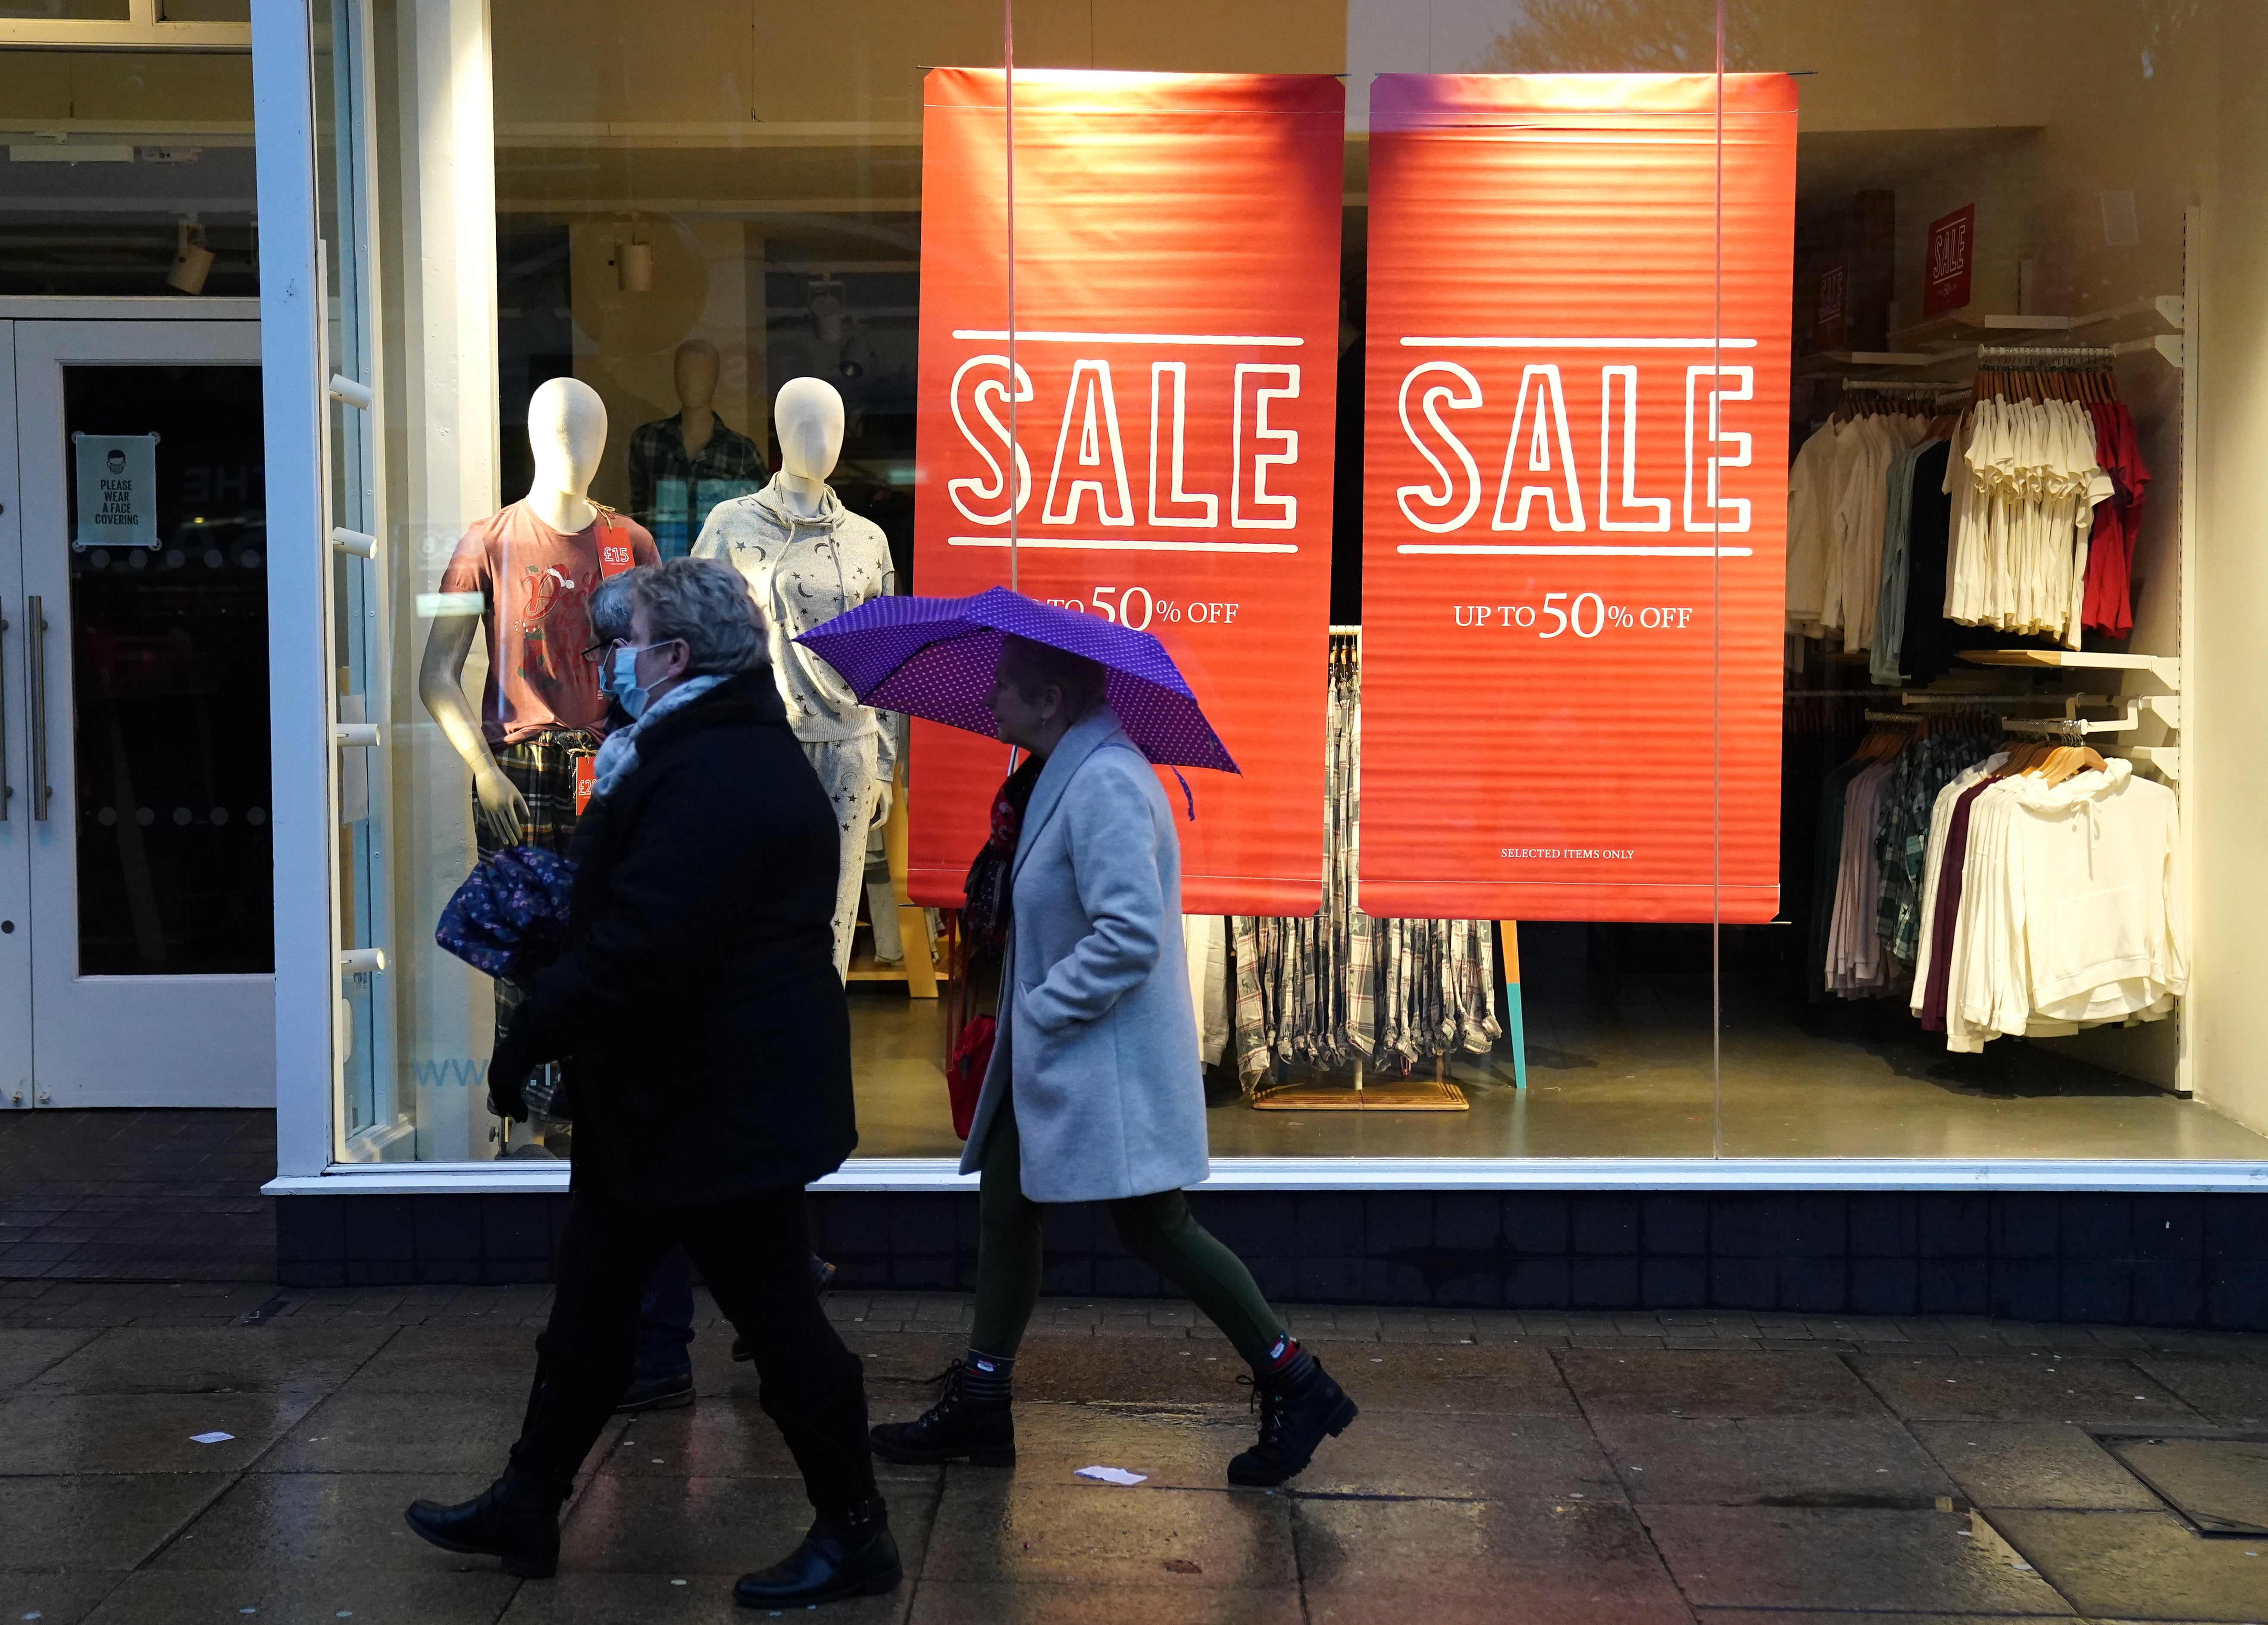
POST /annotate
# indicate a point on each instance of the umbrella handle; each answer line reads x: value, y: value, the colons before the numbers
x: 1187, y: 795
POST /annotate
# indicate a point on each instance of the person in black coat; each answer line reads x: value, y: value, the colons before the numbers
x: 707, y: 1043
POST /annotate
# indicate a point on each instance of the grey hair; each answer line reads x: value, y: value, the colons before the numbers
x: 705, y: 602
x: 1029, y: 666
x: 610, y: 606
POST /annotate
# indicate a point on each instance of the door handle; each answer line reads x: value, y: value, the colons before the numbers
x: 7, y: 790
x: 35, y: 679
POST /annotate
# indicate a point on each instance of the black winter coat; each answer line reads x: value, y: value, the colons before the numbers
x: 707, y: 1039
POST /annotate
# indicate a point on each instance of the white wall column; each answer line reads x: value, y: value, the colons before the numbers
x: 298, y: 686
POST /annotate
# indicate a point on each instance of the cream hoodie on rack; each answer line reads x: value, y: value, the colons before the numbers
x: 2071, y: 909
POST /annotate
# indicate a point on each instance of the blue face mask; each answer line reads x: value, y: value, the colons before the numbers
x: 621, y: 679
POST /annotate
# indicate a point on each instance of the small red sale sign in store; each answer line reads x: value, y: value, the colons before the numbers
x: 1576, y: 495
x: 1173, y: 393
x: 1952, y: 252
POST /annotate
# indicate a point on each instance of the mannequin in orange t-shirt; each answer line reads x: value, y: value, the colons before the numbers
x: 525, y: 574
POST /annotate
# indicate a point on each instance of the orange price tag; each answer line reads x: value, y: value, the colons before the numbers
x: 586, y: 781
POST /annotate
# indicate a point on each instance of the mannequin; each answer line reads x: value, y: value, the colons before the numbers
x: 682, y: 467
x: 524, y: 575
x: 808, y: 559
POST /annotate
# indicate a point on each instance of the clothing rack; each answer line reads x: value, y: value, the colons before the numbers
x: 1896, y: 386
x: 2045, y: 358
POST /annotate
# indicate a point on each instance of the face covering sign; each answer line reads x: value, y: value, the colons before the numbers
x: 117, y: 481
x: 1576, y: 433
x: 1173, y: 396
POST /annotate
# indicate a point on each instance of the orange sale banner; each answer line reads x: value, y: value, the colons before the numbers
x: 1575, y: 459
x: 1173, y: 396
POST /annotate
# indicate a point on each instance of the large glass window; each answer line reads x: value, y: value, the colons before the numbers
x: 1838, y: 816
x: 129, y: 173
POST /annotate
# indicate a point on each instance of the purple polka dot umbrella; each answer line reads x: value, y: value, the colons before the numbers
x: 935, y: 658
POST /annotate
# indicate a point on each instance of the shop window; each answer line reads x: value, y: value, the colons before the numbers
x: 1982, y: 270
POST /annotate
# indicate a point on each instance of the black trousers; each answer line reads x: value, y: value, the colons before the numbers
x: 755, y: 1255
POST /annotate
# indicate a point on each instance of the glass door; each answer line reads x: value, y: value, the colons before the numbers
x: 137, y: 662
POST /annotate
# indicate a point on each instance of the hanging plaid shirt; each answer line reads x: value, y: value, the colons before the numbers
x: 671, y: 492
x: 1902, y: 832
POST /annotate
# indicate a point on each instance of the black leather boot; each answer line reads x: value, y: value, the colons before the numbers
x: 851, y: 1554
x: 515, y: 1519
x: 1298, y: 1407
x: 977, y: 1427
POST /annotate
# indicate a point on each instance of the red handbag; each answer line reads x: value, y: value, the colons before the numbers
x: 964, y: 1070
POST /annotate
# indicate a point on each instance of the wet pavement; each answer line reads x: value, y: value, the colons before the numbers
x: 1602, y: 1469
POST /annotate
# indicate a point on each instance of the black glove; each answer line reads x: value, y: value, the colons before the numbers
x: 508, y: 1070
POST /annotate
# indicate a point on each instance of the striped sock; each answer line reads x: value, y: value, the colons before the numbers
x: 986, y: 1379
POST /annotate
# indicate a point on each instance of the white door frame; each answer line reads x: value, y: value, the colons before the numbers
x: 165, y: 1040
x: 16, y: 1089
x: 292, y: 382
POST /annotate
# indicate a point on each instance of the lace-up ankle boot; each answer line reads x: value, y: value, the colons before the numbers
x: 849, y: 1553
x: 970, y: 1421
x: 1299, y: 1405
x: 515, y: 1519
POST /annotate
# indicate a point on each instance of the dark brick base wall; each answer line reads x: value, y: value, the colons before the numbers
x: 2100, y: 1258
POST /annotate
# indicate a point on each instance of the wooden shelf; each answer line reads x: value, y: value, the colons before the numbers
x: 2166, y: 311
x: 1829, y: 361
x: 2165, y: 668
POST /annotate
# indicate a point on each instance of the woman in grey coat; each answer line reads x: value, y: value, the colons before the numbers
x: 1095, y: 1092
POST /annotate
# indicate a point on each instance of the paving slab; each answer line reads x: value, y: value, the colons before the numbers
x: 660, y: 1599
x: 2234, y: 1392
x: 1498, y: 1378
x: 1770, y: 1461
x: 994, y: 1527
x: 1184, y: 1601
x: 2142, y: 1565
x: 191, y: 1599
x: 1708, y: 1383
x: 453, y: 1360
x: 718, y: 1436
x: 1178, y: 1369
x: 2021, y: 1388
x: 715, y: 1528
x: 2033, y: 1464
x: 142, y: 1432
x: 359, y: 1432
x: 1177, y: 1447
x: 25, y: 1352
x: 1462, y: 1458
x: 1830, y: 1558
x: 322, y: 1523
x: 214, y: 1360
x: 1849, y: 1616
x: 1541, y: 1562
x: 81, y: 1524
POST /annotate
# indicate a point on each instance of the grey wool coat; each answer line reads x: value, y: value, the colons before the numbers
x: 1095, y: 1025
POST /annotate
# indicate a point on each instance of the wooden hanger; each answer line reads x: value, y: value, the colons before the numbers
x: 2071, y: 759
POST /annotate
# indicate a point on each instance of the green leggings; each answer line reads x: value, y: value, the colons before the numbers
x: 1157, y: 1229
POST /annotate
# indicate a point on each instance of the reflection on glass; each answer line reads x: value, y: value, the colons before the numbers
x: 109, y: 155
x: 685, y: 229
x: 169, y: 670
x: 71, y: 11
